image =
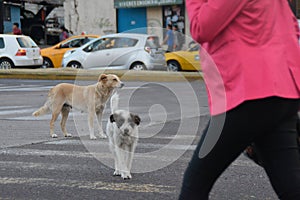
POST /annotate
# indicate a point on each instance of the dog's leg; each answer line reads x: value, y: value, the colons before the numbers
x: 55, y: 114
x: 99, y: 114
x: 130, y: 154
x: 65, y: 113
x: 112, y: 147
x: 91, y: 113
x: 117, y: 164
x: 122, y: 155
x: 121, y: 161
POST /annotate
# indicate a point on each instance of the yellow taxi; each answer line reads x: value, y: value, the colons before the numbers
x: 53, y: 55
x: 184, y: 60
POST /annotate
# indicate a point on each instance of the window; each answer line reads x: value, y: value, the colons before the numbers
x: 124, y: 42
x: 174, y: 15
x: 7, y: 13
x: 72, y: 43
x: 2, y: 43
x: 77, y: 42
x: 26, y: 42
x: 153, y: 42
x: 105, y: 43
x: 95, y: 45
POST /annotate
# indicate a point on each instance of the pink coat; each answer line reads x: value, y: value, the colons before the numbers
x: 253, y: 46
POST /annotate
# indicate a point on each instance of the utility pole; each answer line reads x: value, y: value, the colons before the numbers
x: 1, y: 17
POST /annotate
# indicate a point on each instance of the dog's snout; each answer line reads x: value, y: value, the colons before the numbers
x: 126, y: 131
x: 122, y: 84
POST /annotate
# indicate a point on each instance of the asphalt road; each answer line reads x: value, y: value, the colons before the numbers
x: 35, y: 166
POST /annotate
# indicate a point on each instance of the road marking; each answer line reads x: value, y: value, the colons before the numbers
x: 91, y: 185
x: 13, y: 107
x: 241, y: 161
x: 24, y: 88
x: 35, y: 88
x: 79, y: 154
x: 16, y: 111
x: 140, y: 145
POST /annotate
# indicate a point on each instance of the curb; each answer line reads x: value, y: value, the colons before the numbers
x: 80, y: 74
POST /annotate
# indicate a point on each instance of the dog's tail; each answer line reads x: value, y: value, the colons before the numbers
x: 46, y: 107
x: 42, y: 110
x: 114, y: 102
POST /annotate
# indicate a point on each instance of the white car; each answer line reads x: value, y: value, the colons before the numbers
x: 118, y: 51
x: 19, y: 51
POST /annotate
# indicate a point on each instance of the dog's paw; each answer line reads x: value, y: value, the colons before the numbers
x: 54, y: 136
x: 68, y: 135
x: 117, y: 173
x: 126, y: 175
x: 92, y: 137
x: 103, y: 136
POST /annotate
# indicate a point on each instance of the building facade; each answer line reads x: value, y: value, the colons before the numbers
x: 150, y: 16
x: 10, y: 14
x: 92, y: 16
x: 146, y: 16
x: 115, y: 16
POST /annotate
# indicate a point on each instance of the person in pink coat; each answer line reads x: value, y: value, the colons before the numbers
x: 251, y: 64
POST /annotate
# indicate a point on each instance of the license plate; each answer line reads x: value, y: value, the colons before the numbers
x: 36, y: 61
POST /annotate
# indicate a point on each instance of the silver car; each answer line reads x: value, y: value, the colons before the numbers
x: 118, y: 51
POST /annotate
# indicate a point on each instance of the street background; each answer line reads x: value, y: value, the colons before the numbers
x: 35, y: 166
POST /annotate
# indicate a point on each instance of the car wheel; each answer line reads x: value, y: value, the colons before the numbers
x: 74, y: 65
x: 47, y: 63
x: 6, y: 63
x: 138, y: 66
x: 174, y: 66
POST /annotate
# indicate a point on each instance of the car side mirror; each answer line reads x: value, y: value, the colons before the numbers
x: 89, y: 48
x: 58, y: 46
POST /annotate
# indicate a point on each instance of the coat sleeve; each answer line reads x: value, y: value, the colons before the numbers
x: 209, y: 17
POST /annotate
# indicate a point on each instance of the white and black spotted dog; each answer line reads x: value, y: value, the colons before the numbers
x: 122, y: 132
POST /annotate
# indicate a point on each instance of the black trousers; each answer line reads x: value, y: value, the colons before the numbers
x: 270, y: 124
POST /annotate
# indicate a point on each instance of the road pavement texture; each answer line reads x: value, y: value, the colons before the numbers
x: 35, y: 166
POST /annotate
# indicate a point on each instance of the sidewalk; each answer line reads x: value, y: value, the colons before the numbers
x: 80, y: 74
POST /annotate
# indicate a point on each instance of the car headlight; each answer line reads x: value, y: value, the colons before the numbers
x: 68, y: 53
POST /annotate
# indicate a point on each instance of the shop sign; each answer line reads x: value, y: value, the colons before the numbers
x: 144, y: 3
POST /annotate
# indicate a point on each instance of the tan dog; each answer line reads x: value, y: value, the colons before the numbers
x: 91, y: 99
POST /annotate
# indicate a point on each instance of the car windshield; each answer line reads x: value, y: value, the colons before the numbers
x: 152, y: 42
x: 194, y: 47
x: 93, y: 46
x: 26, y: 42
x: 77, y: 42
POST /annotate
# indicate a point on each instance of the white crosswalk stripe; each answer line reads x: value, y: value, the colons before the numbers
x: 24, y: 88
x: 34, y: 88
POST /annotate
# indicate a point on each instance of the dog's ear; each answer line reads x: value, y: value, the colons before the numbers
x: 102, y: 77
x: 112, y: 118
x: 136, y: 119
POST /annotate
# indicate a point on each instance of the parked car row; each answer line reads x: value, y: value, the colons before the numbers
x: 53, y: 55
x: 114, y: 51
